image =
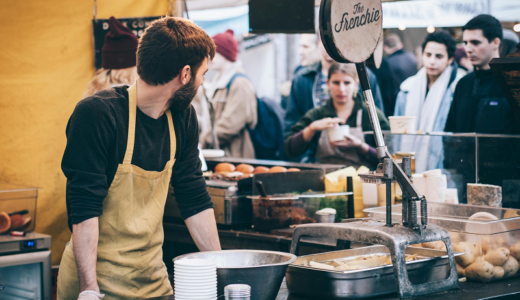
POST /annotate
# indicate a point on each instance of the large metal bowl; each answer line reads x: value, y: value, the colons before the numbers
x: 262, y: 270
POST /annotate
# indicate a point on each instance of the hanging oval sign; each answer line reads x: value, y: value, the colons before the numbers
x: 350, y: 29
x: 375, y: 60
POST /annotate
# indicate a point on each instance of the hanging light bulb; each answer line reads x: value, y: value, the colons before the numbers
x: 402, y: 27
x: 516, y: 28
x: 430, y: 29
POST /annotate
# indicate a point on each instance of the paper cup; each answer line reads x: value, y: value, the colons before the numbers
x: 402, y: 124
x: 338, y: 133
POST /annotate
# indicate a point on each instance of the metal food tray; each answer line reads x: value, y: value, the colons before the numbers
x: 303, y: 279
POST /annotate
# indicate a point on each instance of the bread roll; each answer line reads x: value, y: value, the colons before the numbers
x: 277, y: 169
x: 245, y: 168
x: 260, y: 170
x: 293, y: 170
x: 5, y: 222
x: 224, y: 168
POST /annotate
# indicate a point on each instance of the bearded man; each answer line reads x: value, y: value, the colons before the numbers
x: 125, y: 147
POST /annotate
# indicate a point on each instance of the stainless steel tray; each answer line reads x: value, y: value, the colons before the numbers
x: 359, y: 284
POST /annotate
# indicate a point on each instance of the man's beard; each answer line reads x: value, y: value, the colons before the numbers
x: 181, y: 99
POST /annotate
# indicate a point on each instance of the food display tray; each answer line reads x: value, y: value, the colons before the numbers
x: 431, y: 265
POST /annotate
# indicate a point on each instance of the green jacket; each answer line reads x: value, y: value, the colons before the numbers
x: 328, y: 111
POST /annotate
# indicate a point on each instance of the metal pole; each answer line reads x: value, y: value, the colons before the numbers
x: 372, y: 112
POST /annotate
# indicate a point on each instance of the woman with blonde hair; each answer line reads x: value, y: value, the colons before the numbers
x: 345, y: 106
x: 118, y: 59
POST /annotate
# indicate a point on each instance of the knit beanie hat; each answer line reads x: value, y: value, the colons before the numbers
x: 460, y: 53
x: 119, y: 50
x: 227, y: 46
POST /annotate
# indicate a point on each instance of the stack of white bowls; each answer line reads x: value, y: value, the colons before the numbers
x: 195, y: 279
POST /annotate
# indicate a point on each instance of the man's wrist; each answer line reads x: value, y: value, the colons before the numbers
x: 90, y: 287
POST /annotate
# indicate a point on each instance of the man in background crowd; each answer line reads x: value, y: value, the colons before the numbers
x: 402, y: 63
x: 427, y: 96
x: 388, y: 84
x: 509, y: 42
x: 233, y: 101
x: 309, y: 89
x: 309, y: 51
x: 310, y: 54
x: 478, y: 103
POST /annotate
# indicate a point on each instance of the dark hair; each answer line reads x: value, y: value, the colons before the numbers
x: 168, y: 45
x: 442, y: 37
x: 490, y: 26
x: 391, y: 40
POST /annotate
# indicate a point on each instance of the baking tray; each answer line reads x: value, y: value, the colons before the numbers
x: 302, y: 279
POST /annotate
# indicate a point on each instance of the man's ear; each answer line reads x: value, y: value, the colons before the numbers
x: 450, y: 61
x: 185, y: 74
x: 496, y: 43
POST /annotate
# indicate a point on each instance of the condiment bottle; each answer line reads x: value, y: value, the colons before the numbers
x: 237, y: 292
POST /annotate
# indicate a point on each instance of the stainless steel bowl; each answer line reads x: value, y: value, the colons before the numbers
x: 262, y: 270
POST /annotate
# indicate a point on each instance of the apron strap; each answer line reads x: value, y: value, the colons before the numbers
x: 358, y: 117
x: 173, y: 138
x: 132, y: 108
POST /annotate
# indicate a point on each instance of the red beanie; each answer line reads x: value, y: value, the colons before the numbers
x: 227, y: 46
x: 119, y: 50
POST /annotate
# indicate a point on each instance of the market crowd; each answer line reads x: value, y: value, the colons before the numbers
x: 448, y: 87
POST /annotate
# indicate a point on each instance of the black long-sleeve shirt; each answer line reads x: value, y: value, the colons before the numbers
x: 97, y: 135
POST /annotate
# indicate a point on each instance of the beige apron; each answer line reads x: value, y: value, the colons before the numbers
x: 129, y: 261
x: 328, y: 154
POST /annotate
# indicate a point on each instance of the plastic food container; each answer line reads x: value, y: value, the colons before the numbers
x: 489, y: 237
x: 306, y: 206
x: 272, y: 212
x: 19, y: 199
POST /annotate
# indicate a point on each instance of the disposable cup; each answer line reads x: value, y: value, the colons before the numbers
x: 400, y: 124
x: 338, y: 133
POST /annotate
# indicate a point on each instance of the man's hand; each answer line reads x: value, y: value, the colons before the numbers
x: 85, y: 243
x: 203, y: 230
x: 90, y: 295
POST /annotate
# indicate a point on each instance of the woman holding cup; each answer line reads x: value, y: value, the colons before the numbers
x: 333, y: 133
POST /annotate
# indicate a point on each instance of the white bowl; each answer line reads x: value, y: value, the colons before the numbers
x: 179, y: 282
x: 338, y: 133
x: 212, y: 297
x: 195, y: 291
x: 196, y: 262
x: 195, y: 273
x: 207, y: 153
x: 198, y: 277
x: 402, y: 124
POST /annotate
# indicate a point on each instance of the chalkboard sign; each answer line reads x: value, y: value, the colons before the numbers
x: 101, y: 28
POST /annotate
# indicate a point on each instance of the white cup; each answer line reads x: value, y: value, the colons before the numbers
x: 338, y: 133
x: 402, y: 124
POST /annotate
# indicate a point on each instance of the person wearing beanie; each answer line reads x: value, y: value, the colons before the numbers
x: 233, y: 100
x: 118, y: 64
x: 462, y: 61
x: 126, y: 145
